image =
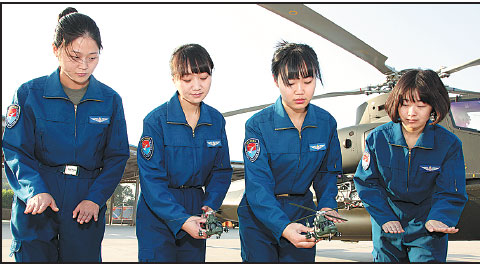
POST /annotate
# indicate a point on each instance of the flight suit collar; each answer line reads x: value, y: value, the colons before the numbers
x: 175, y: 112
x: 54, y: 88
x: 426, y: 139
x: 281, y: 120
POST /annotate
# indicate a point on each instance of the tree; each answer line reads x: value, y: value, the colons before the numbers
x: 123, y: 194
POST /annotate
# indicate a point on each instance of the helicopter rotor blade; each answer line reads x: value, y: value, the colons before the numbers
x: 366, y: 90
x: 245, y: 110
x: 306, y: 208
x: 305, y: 217
x: 336, y: 217
x: 318, y: 24
x: 449, y: 70
x: 460, y: 91
x: 343, y: 93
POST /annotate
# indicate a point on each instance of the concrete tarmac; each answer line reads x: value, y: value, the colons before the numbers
x: 120, y: 245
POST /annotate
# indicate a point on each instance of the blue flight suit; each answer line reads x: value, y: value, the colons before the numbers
x: 48, y: 134
x: 181, y: 170
x: 280, y: 160
x: 412, y: 187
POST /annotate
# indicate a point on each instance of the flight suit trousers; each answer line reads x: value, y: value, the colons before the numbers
x: 57, y: 236
x: 416, y: 244
x: 157, y: 243
x: 259, y: 245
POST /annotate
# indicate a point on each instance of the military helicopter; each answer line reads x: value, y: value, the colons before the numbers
x: 465, y: 105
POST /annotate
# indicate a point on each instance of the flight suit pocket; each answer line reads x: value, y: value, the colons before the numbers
x: 52, y: 131
x: 97, y: 132
x: 386, y: 169
x: 428, y: 175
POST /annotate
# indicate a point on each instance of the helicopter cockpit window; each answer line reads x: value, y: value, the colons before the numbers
x: 466, y: 114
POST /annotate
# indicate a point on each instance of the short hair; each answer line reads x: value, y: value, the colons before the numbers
x: 430, y: 89
x: 292, y: 60
x: 72, y: 25
x: 190, y: 55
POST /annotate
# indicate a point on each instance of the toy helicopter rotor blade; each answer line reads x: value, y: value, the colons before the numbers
x: 336, y: 217
x: 303, y: 218
x: 318, y: 24
x: 176, y: 219
x: 330, y: 210
x: 306, y: 208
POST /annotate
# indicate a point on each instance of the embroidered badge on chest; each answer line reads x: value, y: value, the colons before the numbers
x: 147, y: 147
x: 430, y: 168
x: 99, y: 120
x: 13, y: 114
x: 317, y: 147
x: 214, y: 143
x: 252, y: 149
x: 365, y: 160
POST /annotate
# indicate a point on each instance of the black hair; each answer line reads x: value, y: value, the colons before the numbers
x: 190, y: 55
x: 430, y: 89
x: 292, y: 60
x: 72, y: 25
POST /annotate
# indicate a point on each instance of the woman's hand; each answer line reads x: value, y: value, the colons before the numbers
x: 192, y: 226
x: 437, y: 226
x: 392, y: 227
x: 85, y: 210
x: 206, y: 209
x: 39, y: 203
x: 329, y: 212
x: 293, y: 233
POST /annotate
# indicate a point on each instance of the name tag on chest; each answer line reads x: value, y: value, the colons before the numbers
x: 71, y: 170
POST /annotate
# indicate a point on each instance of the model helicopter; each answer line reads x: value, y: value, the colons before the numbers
x: 465, y: 106
x: 213, y: 226
x: 322, y: 227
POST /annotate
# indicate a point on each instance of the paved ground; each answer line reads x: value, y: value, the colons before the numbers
x: 120, y: 245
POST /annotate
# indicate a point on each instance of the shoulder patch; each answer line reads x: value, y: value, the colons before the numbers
x: 13, y: 114
x: 147, y: 147
x: 365, y: 160
x: 252, y: 149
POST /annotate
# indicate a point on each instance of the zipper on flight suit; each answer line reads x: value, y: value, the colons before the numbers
x: 408, y: 170
x: 75, y: 129
x: 409, y: 158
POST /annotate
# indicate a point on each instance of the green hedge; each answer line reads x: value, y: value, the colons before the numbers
x: 7, y: 198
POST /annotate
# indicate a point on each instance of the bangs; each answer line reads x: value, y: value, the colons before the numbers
x: 409, y: 93
x: 196, y: 67
x: 190, y: 59
x: 298, y: 62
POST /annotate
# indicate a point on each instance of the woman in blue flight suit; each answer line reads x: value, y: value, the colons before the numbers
x: 184, y: 164
x: 65, y: 147
x: 411, y: 178
x: 288, y: 146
